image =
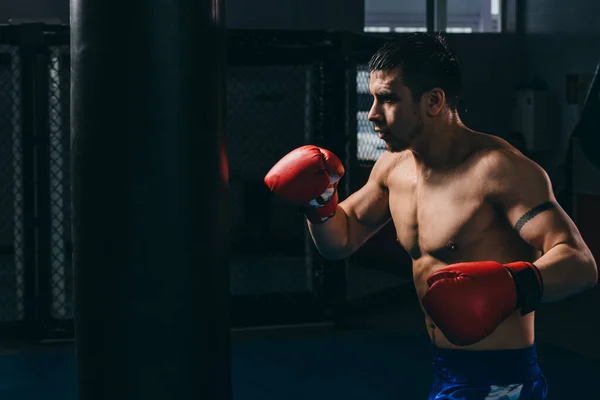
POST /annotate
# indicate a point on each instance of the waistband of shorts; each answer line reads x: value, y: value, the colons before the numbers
x: 486, y: 366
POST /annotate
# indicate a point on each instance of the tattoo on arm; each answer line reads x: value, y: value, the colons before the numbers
x: 529, y: 215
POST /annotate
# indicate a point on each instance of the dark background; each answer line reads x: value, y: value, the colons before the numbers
x: 527, y: 70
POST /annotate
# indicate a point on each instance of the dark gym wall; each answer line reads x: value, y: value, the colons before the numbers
x: 562, y: 49
x: 296, y: 14
x: 559, y: 16
x: 491, y: 65
x: 240, y: 14
x: 555, y: 59
x: 34, y: 9
x: 562, y: 39
x: 542, y: 16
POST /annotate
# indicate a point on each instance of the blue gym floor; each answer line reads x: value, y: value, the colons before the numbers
x: 340, y: 365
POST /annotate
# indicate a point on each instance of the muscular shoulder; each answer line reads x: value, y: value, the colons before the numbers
x: 506, y: 171
x: 386, y: 163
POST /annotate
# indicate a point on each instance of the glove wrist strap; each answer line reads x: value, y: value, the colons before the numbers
x: 529, y: 284
x: 323, y: 212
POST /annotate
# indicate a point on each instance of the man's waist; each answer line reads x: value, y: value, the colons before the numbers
x: 486, y: 366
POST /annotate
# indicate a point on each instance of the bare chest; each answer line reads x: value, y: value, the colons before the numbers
x: 441, y: 217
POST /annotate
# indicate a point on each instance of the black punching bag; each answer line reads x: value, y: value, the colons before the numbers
x: 148, y: 187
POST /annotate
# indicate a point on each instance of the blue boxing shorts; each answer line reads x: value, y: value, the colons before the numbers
x: 487, y: 375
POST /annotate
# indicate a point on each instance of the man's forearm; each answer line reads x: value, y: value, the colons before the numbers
x: 331, y: 237
x: 565, y: 271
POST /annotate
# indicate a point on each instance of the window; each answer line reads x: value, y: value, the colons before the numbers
x: 452, y: 16
x: 395, y: 16
x: 495, y: 7
x: 466, y: 16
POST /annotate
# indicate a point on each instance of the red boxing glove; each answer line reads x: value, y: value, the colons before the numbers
x: 467, y: 301
x: 308, y: 176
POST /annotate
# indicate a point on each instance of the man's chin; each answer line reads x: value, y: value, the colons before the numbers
x: 396, y: 147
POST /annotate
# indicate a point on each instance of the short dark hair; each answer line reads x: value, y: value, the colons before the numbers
x: 425, y: 61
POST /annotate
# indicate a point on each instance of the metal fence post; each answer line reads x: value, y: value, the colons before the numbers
x: 333, y: 133
x: 31, y: 49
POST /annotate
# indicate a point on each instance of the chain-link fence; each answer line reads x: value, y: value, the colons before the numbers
x: 35, y: 266
x: 61, y: 271
x: 12, y: 285
x: 369, y: 146
x: 277, y: 100
x: 269, y: 113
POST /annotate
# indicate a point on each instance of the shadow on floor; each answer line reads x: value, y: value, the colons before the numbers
x: 343, y: 365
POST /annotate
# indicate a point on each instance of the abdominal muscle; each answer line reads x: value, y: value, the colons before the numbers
x: 513, y: 333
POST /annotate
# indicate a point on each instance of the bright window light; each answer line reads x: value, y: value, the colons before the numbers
x: 377, y: 29
x: 410, y: 29
x: 495, y: 7
x: 459, y: 29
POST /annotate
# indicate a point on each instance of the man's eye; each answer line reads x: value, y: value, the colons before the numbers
x: 384, y: 98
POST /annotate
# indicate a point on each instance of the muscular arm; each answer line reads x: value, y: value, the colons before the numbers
x: 523, y: 191
x: 357, y: 218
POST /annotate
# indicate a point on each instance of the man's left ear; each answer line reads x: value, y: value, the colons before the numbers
x: 435, y: 101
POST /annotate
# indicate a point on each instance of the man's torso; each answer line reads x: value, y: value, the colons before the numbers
x: 445, y: 217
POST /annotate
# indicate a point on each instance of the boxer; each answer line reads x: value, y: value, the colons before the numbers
x: 487, y: 238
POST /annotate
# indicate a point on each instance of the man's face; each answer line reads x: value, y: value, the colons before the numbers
x: 394, y: 115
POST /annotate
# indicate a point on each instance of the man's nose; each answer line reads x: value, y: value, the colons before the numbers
x: 374, y: 113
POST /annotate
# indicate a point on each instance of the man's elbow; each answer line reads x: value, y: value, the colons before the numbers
x: 593, y: 273
x: 589, y: 264
x: 335, y: 251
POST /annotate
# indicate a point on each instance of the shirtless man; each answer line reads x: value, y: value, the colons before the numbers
x: 487, y: 239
